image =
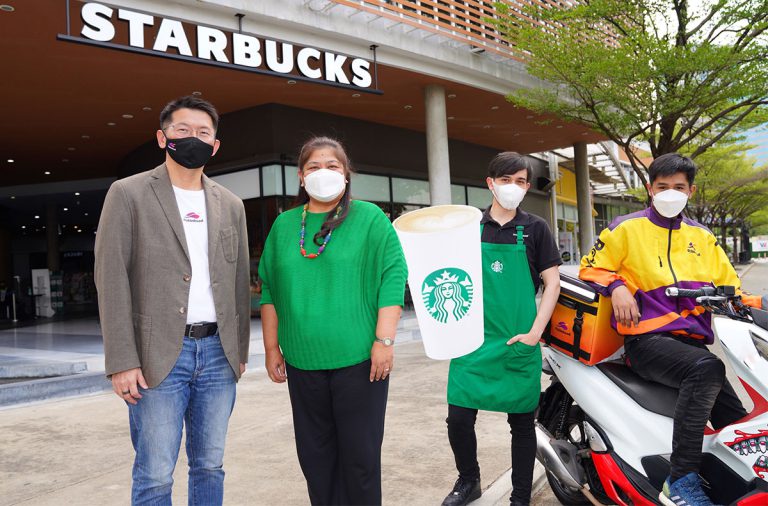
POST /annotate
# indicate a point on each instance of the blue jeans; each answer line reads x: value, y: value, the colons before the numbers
x: 199, y: 393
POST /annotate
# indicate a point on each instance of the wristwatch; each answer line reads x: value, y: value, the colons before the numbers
x: 386, y: 341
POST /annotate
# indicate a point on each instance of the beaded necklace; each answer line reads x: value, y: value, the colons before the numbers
x: 303, y: 230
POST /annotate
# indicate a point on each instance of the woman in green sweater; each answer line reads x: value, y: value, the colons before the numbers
x: 333, y: 276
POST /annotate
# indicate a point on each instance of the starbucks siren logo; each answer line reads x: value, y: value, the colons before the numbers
x: 447, y: 294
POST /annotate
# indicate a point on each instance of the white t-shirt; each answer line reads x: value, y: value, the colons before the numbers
x: 200, y: 307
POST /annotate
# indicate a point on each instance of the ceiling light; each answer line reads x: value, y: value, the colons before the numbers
x: 495, y: 108
x: 65, y: 160
x: 585, y: 133
x: 66, y: 209
x: 13, y: 197
x: 516, y: 134
x: 408, y: 107
x: 37, y: 216
x: 77, y: 193
x: 541, y: 142
x: 530, y: 116
x: 559, y: 126
x: 47, y: 173
x: 85, y: 136
x: 355, y: 95
x: 451, y: 117
x: 486, y: 126
x: 85, y: 214
x: 197, y: 93
x: 23, y: 226
x: 10, y: 160
x: 80, y: 230
x: 128, y: 116
x: 7, y: 8
x: 111, y: 123
x: 451, y: 95
x: 70, y: 149
x: 291, y: 81
x: 146, y: 108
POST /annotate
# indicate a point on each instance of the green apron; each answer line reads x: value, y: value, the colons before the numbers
x: 497, y: 376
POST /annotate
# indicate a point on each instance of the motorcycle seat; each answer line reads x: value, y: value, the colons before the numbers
x: 654, y: 397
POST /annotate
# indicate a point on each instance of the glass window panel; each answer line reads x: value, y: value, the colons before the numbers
x: 410, y: 191
x: 479, y: 197
x: 273, y: 180
x: 457, y: 194
x: 291, y: 180
x: 370, y: 188
x: 244, y: 184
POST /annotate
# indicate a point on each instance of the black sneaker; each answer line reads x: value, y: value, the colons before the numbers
x: 464, y: 492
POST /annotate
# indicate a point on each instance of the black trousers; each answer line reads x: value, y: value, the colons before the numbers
x: 705, y: 393
x: 338, y: 420
x: 461, y: 434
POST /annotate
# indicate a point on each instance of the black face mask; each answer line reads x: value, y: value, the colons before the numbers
x: 189, y: 152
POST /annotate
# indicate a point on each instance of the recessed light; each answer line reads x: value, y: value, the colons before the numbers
x: 541, y: 142
x: 85, y: 214
x: 516, y: 134
x: 10, y: 160
x: 451, y: 95
x: 80, y: 230
x: 77, y: 193
x: 47, y: 172
x: 197, y: 93
x: 495, y: 108
x: 585, y: 133
x: 146, y: 108
x: 84, y: 136
x: 66, y: 209
x: 486, y: 126
x: 355, y: 95
x: 7, y: 8
x: 13, y: 197
x: 65, y: 160
x: 559, y: 126
x: 70, y: 149
x: 128, y: 116
x: 530, y: 116
x: 37, y: 216
x: 291, y: 81
x: 451, y: 117
x: 408, y: 107
x: 111, y: 123
x: 23, y: 226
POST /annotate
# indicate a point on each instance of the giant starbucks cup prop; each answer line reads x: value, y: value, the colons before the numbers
x: 442, y: 248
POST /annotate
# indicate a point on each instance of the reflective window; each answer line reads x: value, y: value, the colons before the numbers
x: 370, y: 188
x: 244, y: 184
x: 479, y: 197
x: 457, y: 194
x: 291, y: 180
x: 410, y: 191
x: 273, y: 180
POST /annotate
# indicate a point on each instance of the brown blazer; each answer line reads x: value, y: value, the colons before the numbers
x: 142, y: 274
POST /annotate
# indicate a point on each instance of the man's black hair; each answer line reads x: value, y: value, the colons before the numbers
x: 189, y: 102
x: 670, y: 164
x: 509, y: 162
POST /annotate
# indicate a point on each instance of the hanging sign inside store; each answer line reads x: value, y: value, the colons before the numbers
x: 141, y: 32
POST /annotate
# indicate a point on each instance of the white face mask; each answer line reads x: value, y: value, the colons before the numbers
x: 670, y: 203
x: 324, y: 185
x: 509, y: 196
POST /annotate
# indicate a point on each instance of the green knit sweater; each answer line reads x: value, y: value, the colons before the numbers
x: 327, y: 307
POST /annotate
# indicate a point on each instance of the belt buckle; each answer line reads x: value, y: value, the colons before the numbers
x: 192, y: 327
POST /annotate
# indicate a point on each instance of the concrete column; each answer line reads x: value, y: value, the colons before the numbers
x: 52, y: 235
x: 438, y: 164
x: 586, y: 224
x: 553, y: 173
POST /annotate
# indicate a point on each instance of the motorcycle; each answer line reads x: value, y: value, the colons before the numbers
x: 604, y: 434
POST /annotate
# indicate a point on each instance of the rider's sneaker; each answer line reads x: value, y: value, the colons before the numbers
x: 464, y: 492
x: 685, y: 491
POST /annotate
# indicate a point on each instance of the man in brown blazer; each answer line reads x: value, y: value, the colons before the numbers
x: 172, y: 273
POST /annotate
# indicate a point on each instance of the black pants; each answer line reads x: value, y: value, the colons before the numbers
x: 705, y: 393
x: 338, y: 419
x: 461, y: 434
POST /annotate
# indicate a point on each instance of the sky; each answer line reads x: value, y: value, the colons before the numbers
x: 759, y: 137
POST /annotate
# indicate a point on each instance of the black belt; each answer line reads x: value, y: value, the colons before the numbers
x: 199, y: 330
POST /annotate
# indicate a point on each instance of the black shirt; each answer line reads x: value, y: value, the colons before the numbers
x: 540, y: 245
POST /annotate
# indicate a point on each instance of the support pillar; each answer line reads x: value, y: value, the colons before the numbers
x: 584, y: 198
x: 438, y: 163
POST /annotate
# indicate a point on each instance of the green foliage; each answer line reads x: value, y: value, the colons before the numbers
x: 655, y: 71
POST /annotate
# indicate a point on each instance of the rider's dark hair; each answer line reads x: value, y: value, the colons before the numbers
x: 670, y: 164
x: 188, y: 102
x: 509, y: 162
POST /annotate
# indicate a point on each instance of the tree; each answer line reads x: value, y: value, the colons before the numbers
x: 654, y: 71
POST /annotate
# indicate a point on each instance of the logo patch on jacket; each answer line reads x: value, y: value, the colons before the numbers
x: 692, y: 249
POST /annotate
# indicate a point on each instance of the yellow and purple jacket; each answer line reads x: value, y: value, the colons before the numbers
x: 647, y: 253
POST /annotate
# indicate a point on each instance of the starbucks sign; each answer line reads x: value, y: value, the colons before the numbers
x: 447, y: 294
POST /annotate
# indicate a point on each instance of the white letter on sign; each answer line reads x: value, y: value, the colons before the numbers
x: 284, y: 67
x: 361, y: 73
x: 334, y: 71
x: 211, y: 42
x: 302, y: 60
x: 136, y: 23
x: 97, y: 21
x: 245, y: 50
x: 171, y: 33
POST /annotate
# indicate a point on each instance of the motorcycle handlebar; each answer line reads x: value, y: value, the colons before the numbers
x: 704, y: 291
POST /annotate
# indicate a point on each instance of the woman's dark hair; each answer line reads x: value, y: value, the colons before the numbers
x: 507, y: 163
x: 188, y: 102
x: 309, y: 147
x: 670, y: 164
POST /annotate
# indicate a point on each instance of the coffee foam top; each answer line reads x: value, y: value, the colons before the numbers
x: 438, y: 218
